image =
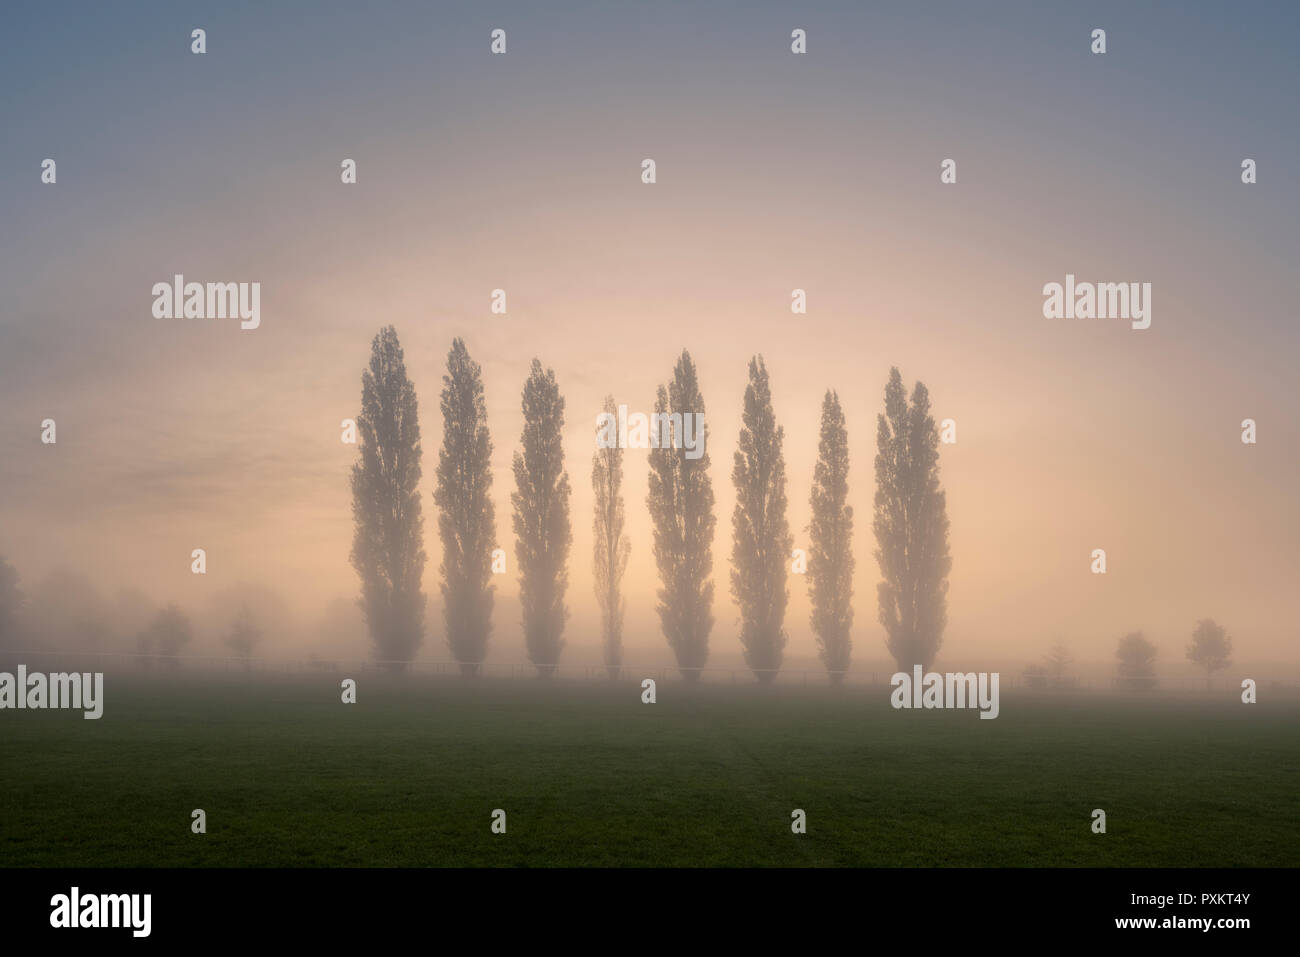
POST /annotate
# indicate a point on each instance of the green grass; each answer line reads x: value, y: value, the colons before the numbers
x: 588, y: 775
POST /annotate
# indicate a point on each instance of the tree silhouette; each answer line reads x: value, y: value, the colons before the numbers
x: 466, y: 519
x: 1136, y: 661
x: 11, y: 602
x: 761, y: 538
x: 681, y: 509
x: 611, y: 546
x: 1058, y: 662
x: 244, y: 636
x: 1211, y: 647
x: 168, y: 632
x: 541, y: 520
x: 388, y: 542
x: 911, y: 525
x: 830, y: 557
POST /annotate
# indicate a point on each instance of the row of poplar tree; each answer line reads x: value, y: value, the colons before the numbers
x: 910, y: 523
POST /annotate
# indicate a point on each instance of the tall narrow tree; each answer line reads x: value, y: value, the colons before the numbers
x: 681, y: 508
x: 388, y: 542
x: 761, y: 538
x: 911, y: 525
x: 466, y: 519
x: 541, y: 520
x: 830, y: 558
x: 611, y: 544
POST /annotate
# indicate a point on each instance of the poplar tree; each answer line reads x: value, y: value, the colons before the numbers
x: 388, y: 541
x: 611, y: 546
x: 541, y: 520
x: 911, y: 525
x: 466, y: 519
x: 761, y: 538
x: 830, y: 558
x: 681, y: 510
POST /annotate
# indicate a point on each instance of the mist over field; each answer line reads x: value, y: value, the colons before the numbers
x: 673, y: 434
x: 521, y: 173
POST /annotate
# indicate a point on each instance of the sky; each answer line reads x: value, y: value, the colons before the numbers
x: 775, y: 171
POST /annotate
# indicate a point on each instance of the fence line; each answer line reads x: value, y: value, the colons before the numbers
x: 254, y: 664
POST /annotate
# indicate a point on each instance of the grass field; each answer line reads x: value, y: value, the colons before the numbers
x: 588, y: 775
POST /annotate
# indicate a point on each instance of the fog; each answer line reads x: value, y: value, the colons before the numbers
x: 524, y: 175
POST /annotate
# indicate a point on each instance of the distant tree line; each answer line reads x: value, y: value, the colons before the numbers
x: 66, y: 613
x: 910, y: 524
x: 1210, y: 648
